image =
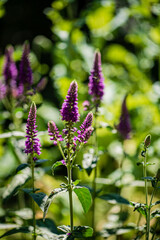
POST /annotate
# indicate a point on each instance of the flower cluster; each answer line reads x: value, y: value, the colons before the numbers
x: 124, y: 126
x: 96, y: 80
x: 83, y: 134
x: 70, y: 115
x: 69, y: 109
x: 53, y: 131
x: 17, y: 82
x: 25, y: 72
x: 32, y: 144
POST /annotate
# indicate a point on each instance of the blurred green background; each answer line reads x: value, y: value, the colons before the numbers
x: 63, y: 36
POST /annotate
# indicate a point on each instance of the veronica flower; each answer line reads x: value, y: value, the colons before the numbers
x: 10, y: 70
x: 124, y: 126
x: 53, y: 131
x: 96, y: 80
x: 25, y: 72
x: 69, y: 111
x: 2, y: 90
x: 87, y: 134
x: 32, y: 144
x: 85, y: 125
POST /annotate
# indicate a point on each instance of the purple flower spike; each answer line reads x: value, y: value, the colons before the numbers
x: 124, y: 126
x: 25, y: 72
x: 86, y: 124
x: 96, y: 80
x: 53, y: 131
x: 87, y: 134
x: 10, y: 70
x: 69, y: 111
x: 2, y: 90
x: 32, y: 143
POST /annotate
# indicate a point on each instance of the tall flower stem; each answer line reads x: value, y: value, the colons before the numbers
x: 95, y: 170
x: 69, y: 171
x: 146, y: 194
x: 33, y: 205
x: 70, y: 195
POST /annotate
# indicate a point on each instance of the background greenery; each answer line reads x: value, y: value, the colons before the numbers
x: 63, y: 36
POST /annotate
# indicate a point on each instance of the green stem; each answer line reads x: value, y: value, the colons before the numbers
x: 70, y: 195
x: 95, y: 171
x: 60, y: 148
x: 146, y: 194
x: 69, y: 171
x: 33, y: 205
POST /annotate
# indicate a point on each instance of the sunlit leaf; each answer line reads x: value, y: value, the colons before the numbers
x: 18, y: 181
x: 84, y: 197
x: 50, y: 198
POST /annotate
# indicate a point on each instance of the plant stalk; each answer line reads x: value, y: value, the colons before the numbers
x: 70, y: 195
x: 95, y: 172
x: 146, y: 195
x: 69, y: 171
x: 33, y: 205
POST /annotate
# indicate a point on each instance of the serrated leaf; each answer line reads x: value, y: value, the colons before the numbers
x: 114, y: 198
x: 55, y: 165
x: 40, y: 198
x: 22, y: 166
x: 50, y: 198
x: 84, y: 197
x: 17, y: 181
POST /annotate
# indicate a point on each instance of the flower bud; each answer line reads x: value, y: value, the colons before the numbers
x: 147, y: 141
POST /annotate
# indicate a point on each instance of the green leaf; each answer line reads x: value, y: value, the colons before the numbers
x: 84, y: 197
x: 76, y: 182
x: 17, y: 181
x: 82, y: 232
x: 64, y: 228
x: 22, y: 166
x: 149, y: 178
x: 141, y: 208
x: 49, y: 224
x: 155, y: 203
x: 155, y: 214
x: 55, y: 165
x: 40, y: 198
x: 39, y: 161
x: 78, y: 232
x: 107, y: 232
x: 50, y: 198
x: 18, y: 230
x: 24, y: 213
x: 114, y: 198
